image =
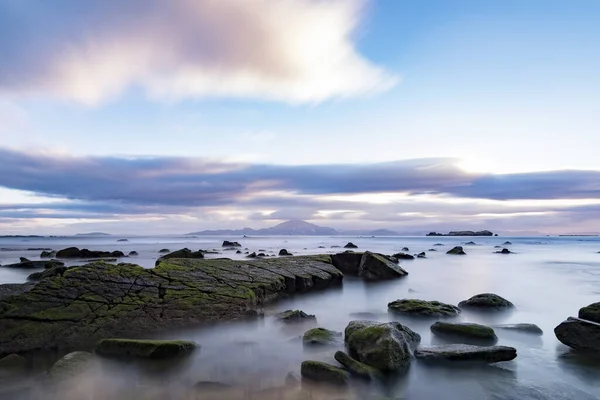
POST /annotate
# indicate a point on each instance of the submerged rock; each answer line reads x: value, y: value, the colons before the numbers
x: 47, y: 254
x: 122, y: 240
x: 471, y: 243
x: 487, y: 301
x: 403, y: 256
x: 355, y: 367
x: 137, y: 348
x: 350, y: 245
x: 27, y: 264
x: 162, y: 251
x: 457, y: 250
x: 464, y: 330
x: 504, y: 251
x: 227, y: 243
x: 424, y: 308
x: 422, y: 255
x: 591, y: 312
x: 133, y: 253
x: 323, y: 372
x: 579, y: 334
x: 183, y: 253
x: 464, y: 352
x: 74, y: 252
x: 13, y: 362
x: 321, y: 337
x: 507, y: 243
x: 252, y: 255
x: 292, y: 316
x: 72, y: 365
x: 284, y: 252
x: 385, y: 346
x: 524, y: 328
x: 48, y: 273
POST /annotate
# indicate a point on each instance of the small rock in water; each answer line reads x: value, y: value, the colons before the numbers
x: 323, y: 372
x: 284, y: 252
x: 132, y: 253
x: 458, y: 250
x: 579, y: 334
x: 403, y: 256
x: 422, y: 255
x: 432, y: 250
x: 423, y: 308
x: 13, y: 362
x: 405, y: 249
x: 507, y: 243
x: 524, y: 328
x: 252, y: 255
x: 464, y: 330
x: 350, y: 245
x: 471, y: 243
x: 164, y: 251
x: 487, y: 301
x: 122, y: 240
x: 321, y: 337
x: 138, y: 348
x: 227, y: 243
x: 438, y: 244
x: 504, y: 251
x: 591, y: 312
x: 463, y: 352
x: 290, y: 316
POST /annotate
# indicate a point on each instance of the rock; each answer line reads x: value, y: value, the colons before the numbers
x: 162, y: 251
x: 211, y: 386
x: 137, y: 348
x: 320, y: 337
x: 323, y: 372
x: 355, y: 367
x: 463, y: 233
x: 457, y: 250
x: 293, y: 316
x: 350, y: 245
x: 238, y: 252
x: 72, y: 365
x: 579, y: 334
x: 227, y: 243
x: 403, y: 256
x: 24, y: 260
x: 405, y: 249
x: 27, y: 264
x: 504, y: 251
x: 375, y: 267
x: 133, y: 253
x: 48, y: 273
x: 507, y: 243
x: 423, y: 308
x: 439, y: 244
x: 384, y: 346
x: 122, y: 240
x: 497, y: 247
x: 47, y: 254
x: 320, y: 247
x: 471, y: 244
x: 101, y: 300
x: 335, y: 247
x: 487, y: 301
x: 252, y: 255
x: 524, y: 328
x: 464, y: 352
x: 74, y: 252
x: 261, y: 255
x: 432, y: 250
x: 591, y: 312
x: 464, y: 330
x: 13, y: 361
x: 284, y: 252
x: 422, y: 255
x: 183, y: 253
x: 348, y: 262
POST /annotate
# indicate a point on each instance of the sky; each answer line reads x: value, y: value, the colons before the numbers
x: 165, y: 117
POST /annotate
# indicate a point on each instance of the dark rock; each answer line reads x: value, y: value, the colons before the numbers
x: 384, y: 346
x: 48, y: 273
x: 403, y: 256
x: 211, y: 386
x: 134, y: 348
x: 227, y: 243
x: 72, y: 365
x: 471, y: 244
x: 13, y: 289
x: 355, y: 367
x: 335, y: 247
x: 591, y: 312
x: 35, y: 264
x: 405, y: 249
x: 14, y: 362
x: 464, y: 330
x: 464, y: 352
x: 457, y: 250
x: 252, y: 255
x: 133, y: 253
x: 24, y: 260
x: 261, y: 255
x: 183, y: 253
x: 432, y: 250
x: 504, y: 251
x: 347, y: 262
x: 524, y: 328
x: 579, y: 334
x: 238, y: 252
x: 320, y: 247
x: 122, y: 240
x: 375, y: 267
x: 463, y: 233
x: 422, y: 255
x: 507, y: 243
x: 350, y: 245
x: 424, y: 308
x: 323, y: 372
x: 284, y: 252
x: 47, y: 254
x: 293, y: 316
x: 487, y: 301
x: 497, y: 247
x: 74, y: 252
x: 162, y: 251
x: 321, y: 337
x: 439, y: 244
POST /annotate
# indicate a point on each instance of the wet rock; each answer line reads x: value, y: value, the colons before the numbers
x: 405, y: 249
x: 13, y: 289
x: 403, y: 256
x: 471, y: 243
x: 487, y: 301
x: 27, y: 264
x: 464, y: 330
x: 72, y: 365
x: 355, y: 367
x: 122, y: 240
x: 375, y: 267
x: 507, y: 243
x: 74, y: 252
x: 335, y: 247
x: 162, y: 251
x: 48, y: 273
x: 47, y: 254
x: 227, y: 243
x: 579, y: 334
x: 133, y: 253
x: 591, y: 312
x: 320, y: 247
x: 350, y: 245
x: 415, y: 307
x: 261, y: 255
x: 439, y: 244
x: 252, y: 255
x: 13, y: 362
x: 323, y: 372
x: 238, y: 252
x: 284, y: 252
x: 293, y: 316
x: 432, y: 250
x: 524, y: 328
x: 183, y: 253
x: 464, y: 352
x: 384, y: 346
x: 321, y: 337
x: 348, y: 262
x: 422, y: 255
x: 137, y: 348
x: 504, y: 251
x: 457, y: 250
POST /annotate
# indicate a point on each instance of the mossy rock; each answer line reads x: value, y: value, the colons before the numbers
x: 591, y: 312
x: 293, y: 316
x: 323, y: 372
x: 183, y: 253
x: 36, y: 276
x: 320, y: 337
x: 464, y: 330
x: 458, y: 250
x: 423, y: 308
x: 72, y: 365
x: 356, y: 368
x: 138, y: 348
x: 522, y: 328
x: 487, y: 301
x: 47, y: 254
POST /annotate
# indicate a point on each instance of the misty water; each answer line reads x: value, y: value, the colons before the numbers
x: 548, y: 279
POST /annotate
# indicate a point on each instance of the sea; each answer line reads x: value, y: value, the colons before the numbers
x: 547, y: 278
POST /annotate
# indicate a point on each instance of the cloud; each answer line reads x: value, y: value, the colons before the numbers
x: 293, y: 51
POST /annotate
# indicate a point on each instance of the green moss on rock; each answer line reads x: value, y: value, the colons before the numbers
x: 355, y: 367
x: 320, y: 337
x: 323, y: 372
x: 138, y: 348
x: 487, y: 301
x: 425, y: 308
x: 591, y: 312
x: 466, y: 330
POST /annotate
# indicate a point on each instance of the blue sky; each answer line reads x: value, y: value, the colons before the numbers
x: 489, y: 95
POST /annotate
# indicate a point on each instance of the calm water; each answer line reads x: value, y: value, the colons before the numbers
x: 548, y: 280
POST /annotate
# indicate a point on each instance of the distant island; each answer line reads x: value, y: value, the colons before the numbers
x: 293, y: 227
x: 93, y: 234
x: 463, y: 233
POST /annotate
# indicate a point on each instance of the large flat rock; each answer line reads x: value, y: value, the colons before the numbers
x: 579, y: 334
x: 464, y: 352
x: 101, y: 300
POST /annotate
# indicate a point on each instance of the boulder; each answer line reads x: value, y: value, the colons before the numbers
x: 348, y: 262
x: 14, y: 362
x: 133, y: 253
x: 507, y: 243
x: 48, y: 273
x: 471, y: 243
x: 487, y: 301
x: 579, y: 334
x: 323, y: 372
x: 183, y: 253
x: 374, y: 267
x: 422, y: 255
x: 137, y: 348
x: 350, y: 245
x: 464, y: 330
x: 464, y: 352
x: 227, y: 243
x: 591, y: 312
x: 74, y: 252
x: 423, y: 308
x: 321, y: 337
x: 27, y: 264
x: 238, y: 252
x: 384, y: 346
x: 284, y: 252
x: 524, y: 328
x: 122, y: 240
x: 47, y: 254
x: 163, y: 251
x: 72, y: 365
x: 504, y: 251
x: 252, y: 255
x: 293, y: 316
x: 355, y: 367
x: 405, y: 249
x: 457, y: 250
x: 261, y: 255
x: 403, y: 256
